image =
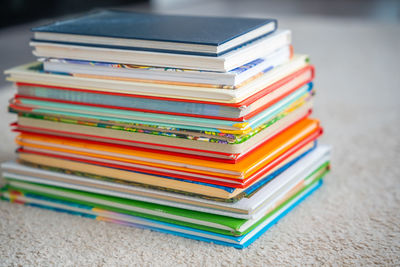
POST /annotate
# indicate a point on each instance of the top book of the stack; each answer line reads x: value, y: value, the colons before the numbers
x: 214, y: 43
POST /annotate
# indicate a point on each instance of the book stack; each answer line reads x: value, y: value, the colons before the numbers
x: 194, y: 126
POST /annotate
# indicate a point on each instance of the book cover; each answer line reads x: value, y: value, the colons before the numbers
x: 135, y: 30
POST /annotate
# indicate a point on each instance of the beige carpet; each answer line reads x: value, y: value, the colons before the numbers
x: 354, y: 219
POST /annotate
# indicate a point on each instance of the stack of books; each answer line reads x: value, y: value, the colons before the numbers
x: 194, y: 126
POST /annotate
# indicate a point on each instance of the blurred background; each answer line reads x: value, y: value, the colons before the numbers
x: 18, y: 16
x: 20, y: 11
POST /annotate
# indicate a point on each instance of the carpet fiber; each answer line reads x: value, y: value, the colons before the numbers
x: 353, y: 219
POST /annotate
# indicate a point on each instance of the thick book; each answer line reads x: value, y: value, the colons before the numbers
x: 155, y: 32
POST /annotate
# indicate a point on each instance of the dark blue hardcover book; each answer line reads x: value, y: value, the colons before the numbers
x: 154, y: 32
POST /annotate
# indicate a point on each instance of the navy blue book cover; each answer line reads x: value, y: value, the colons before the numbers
x: 154, y: 27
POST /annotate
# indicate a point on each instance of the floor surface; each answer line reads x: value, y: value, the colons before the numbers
x: 353, y: 219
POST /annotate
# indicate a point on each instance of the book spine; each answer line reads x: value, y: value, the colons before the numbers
x: 130, y: 102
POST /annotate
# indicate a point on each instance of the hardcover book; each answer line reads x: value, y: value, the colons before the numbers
x: 155, y: 32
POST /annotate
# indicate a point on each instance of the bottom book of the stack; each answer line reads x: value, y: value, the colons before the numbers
x: 235, y: 224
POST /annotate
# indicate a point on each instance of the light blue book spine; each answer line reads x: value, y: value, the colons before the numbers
x: 131, y: 102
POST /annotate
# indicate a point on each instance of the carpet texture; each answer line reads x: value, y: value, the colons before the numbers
x: 353, y: 219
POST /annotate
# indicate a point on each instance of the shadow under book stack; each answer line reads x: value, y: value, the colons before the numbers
x: 192, y: 126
